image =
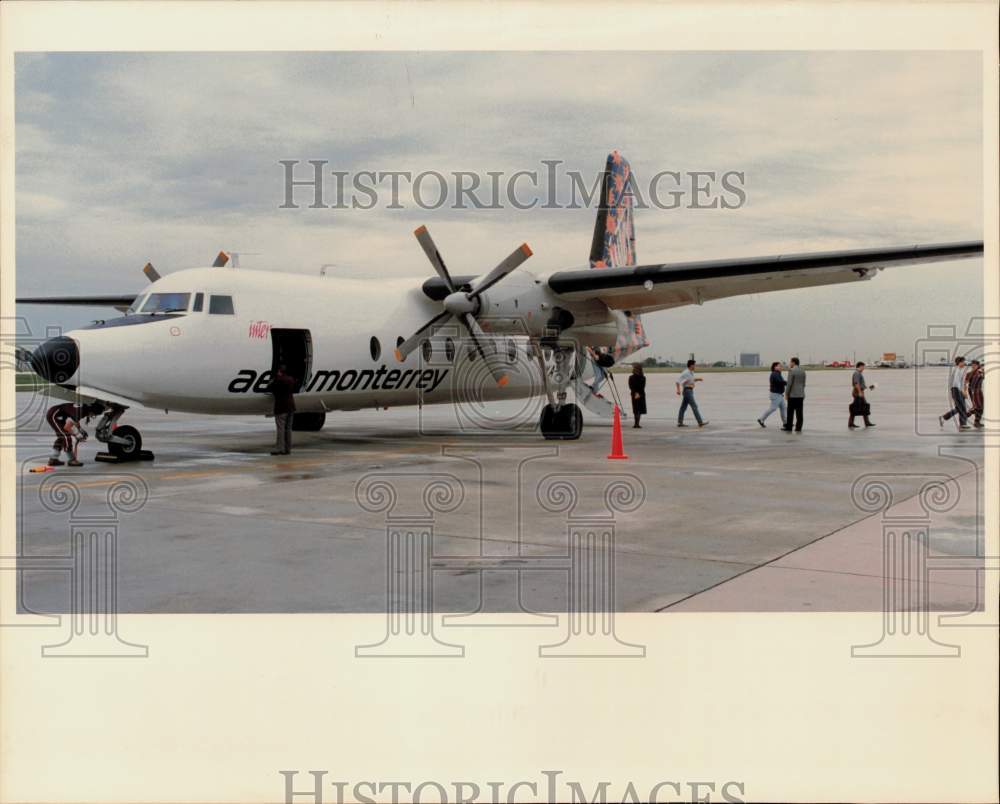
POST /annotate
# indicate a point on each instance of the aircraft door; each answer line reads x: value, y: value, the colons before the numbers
x: 293, y: 347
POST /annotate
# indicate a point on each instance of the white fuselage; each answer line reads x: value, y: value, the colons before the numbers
x: 205, y: 362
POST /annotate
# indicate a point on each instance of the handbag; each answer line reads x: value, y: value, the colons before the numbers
x: 860, y: 407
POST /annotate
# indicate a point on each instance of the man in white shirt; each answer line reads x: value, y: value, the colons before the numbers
x: 956, y: 389
x: 685, y: 387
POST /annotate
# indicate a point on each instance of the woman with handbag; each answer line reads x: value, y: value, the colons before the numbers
x: 859, y: 405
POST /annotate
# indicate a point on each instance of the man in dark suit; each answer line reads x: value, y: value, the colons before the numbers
x: 283, y: 389
x: 795, y: 393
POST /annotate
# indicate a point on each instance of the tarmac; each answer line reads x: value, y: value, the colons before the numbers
x: 731, y: 517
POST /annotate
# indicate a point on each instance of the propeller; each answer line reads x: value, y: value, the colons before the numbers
x: 220, y: 260
x: 461, y: 304
x: 151, y: 273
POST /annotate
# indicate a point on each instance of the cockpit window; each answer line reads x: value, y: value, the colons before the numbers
x: 166, y: 302
x: 199, y: 300
x: 136, y: 304
x: 220, y: 305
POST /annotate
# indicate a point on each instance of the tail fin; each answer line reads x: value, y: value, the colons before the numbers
x: 614, y: 231
x: 614, y: 245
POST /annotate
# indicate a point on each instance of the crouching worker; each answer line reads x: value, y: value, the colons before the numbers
x: 66, y: 420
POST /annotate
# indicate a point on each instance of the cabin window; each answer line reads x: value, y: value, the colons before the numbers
x: 199, y: 301
x: 375, y: 348
x: 427, y: 350
x: 472, y: 352
x: 511, y: 351
x: 166, y: 302
x: 220, y: 305
x: 449, y: 349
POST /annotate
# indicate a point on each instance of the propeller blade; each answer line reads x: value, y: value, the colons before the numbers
x: 427, y: 244
x: 220, y: 260
x: 518, y: 256
x: 478, y: 338
x: 150, y: 272
x: 410, y: 344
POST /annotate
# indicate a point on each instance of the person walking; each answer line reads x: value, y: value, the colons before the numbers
x: 795, y: 393
x: 685, y: 387
x: 283, y: 389
x: 957, y: 392
x: 859, y: 405
x: 637, y: 388
x: 777, y: 394
x: 974, y: 383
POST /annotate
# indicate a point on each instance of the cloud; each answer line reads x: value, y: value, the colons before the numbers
x: 121, y: 158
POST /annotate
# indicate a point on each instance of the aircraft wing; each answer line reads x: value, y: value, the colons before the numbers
x: 645, y: 288
x: 118, y: 302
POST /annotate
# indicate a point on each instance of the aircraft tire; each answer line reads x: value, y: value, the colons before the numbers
x: 566, y: 425
x: 308, y: 422
x: 129, y: 451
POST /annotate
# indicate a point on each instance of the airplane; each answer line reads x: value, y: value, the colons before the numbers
x: 208, y: 340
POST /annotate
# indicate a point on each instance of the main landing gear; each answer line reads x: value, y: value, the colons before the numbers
x: 124, y: 441
x: 559, y: 420
x: 565, y: 423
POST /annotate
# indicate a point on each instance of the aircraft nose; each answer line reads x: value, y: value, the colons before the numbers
x: 57, y: 359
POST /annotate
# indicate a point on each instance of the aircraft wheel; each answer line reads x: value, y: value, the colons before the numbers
x: 308, y: 422
x: 566, y: 425
x: 572, y: 421
x: 129, y: 450
x: 546, y: 422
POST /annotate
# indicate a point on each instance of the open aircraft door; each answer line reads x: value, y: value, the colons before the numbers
x: 293, y: 347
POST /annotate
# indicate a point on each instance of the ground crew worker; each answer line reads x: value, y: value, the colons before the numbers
x: 65, y: 420
x: 283, y: 389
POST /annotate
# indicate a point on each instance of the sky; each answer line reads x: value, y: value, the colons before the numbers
x: 169, y: 157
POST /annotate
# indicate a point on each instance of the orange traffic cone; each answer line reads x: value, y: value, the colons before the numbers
x: 617, y: 450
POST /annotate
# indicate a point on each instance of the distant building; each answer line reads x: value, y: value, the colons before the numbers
x: 749, y: 359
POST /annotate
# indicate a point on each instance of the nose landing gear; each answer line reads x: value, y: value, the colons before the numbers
x: 124, y: 441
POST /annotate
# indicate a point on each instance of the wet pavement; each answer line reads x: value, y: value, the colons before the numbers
x: 731, y: 517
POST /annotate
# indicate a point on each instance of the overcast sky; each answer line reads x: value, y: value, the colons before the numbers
x: 124, y: 158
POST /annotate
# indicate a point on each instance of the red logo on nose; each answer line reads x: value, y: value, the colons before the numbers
x: 259, y: 329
